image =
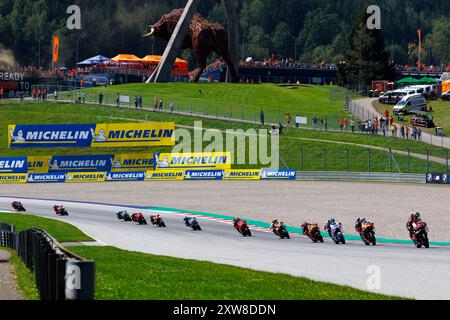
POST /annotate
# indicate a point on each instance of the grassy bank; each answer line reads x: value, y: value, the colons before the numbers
x: 160, y: 278
x: 292, y: 142
x: 63, y: 232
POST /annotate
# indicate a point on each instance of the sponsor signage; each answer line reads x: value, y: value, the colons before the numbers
x: 242, y: 174
x: 92, y: 135
x: 200, y: 161
x: 46, y: 178
x: 165, y: 175
x: 97, y: 163
x: 81, y: 177
x: 13, y: 178
x: 133, y: 162
x: 203, y: 175
x: 14, y: 165
x: 437, y: 178
x: 284, y: 174
x: 125, y: 176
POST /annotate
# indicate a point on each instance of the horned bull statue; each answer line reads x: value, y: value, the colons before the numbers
x: 203, y: 37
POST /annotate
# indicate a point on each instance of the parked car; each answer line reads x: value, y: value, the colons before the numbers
x: 423, y: 119
x: 446, y: 96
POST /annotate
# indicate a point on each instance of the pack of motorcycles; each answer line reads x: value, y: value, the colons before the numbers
x: 58, y: 210
x: 419, y: 234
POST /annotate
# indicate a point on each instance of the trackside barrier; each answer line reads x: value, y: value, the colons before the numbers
x: 59, y: 273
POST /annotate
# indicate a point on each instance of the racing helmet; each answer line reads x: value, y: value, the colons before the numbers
x: 417, y: 215
x: 304, y: 225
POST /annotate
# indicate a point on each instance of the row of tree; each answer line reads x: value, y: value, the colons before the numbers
x: 308, y: 30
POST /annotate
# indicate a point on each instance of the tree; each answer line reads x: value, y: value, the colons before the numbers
x: 282, y: 40
x: 366, y: 57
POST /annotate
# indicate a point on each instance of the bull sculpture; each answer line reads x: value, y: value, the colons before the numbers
x: 203, y: 37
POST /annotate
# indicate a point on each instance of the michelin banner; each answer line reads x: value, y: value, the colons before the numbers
x: 14, y: 165
x: 199, y: 161
x: 282, y: 174
x: 165, y: 175
x: 203, y: 175
x: 95, y: 163
x: 46, y: 178
x: 13, y: 178
x: 92, y: 135
x: 252, y: 174
x: 85, y: 177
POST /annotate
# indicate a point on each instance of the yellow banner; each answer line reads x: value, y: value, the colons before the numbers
x: 200, y: 161
x: 133, y: 162
x: 14, y: 178
x: 134, y: 135
x: 38, y: 164
x: 83, y: 177
x: 242, y: 174
x: 165, y: 175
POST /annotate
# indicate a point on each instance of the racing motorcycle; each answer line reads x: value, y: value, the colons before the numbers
x: 367, y: 234
x: 192, y: 223
x: 336, y: 233
x: 243, y: 229
x: 18, y: 206
x: 121, y: 215
x: 283, y: 233
x: 420, y: 235
x: 314, y: 233
x: 156, y: 220
x: 139, y: 218
x: 60, y: 211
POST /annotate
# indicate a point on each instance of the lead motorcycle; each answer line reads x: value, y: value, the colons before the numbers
x: 60, y: 211
x: 420, y: 235
x: 139, y: 218
x: 336, y: 232
x: 18, y: 206
x: 367, y: 234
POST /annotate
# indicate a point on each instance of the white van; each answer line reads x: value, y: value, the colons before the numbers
x: 410, y: 104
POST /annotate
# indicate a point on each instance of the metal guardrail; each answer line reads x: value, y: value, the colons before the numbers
x: 59, y: 273
x: 361, y: 176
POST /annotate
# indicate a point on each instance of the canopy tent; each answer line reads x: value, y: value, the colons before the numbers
x: 427, y: 80
x: 152, y: 59
x: 95, y: 60
x: 407, y: 80
x: 445, y: 86
x: 130, y: 58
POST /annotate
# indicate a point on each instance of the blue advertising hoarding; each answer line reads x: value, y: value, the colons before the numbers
x: 79, y: 163
x: 125, y: 176
x: 46, y: 178
x: 283, y: 174
x: 13, y: 165
x: 203, y: 175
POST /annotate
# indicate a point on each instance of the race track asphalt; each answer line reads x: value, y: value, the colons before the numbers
x: 404, y: 270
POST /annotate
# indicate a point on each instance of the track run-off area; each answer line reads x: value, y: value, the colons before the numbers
x: 403, y: 270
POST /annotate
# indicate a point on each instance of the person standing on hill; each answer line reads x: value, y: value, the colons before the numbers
x: 262, y: 117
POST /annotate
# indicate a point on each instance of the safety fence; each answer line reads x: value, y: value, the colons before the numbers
x: 59, y: 273
x: 351, y: 159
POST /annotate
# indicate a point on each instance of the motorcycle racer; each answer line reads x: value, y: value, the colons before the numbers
x: 359, y: 223
x: 413, y: 219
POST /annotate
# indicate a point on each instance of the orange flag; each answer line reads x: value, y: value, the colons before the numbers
x: 55, y: 49
x: 419, y: 32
